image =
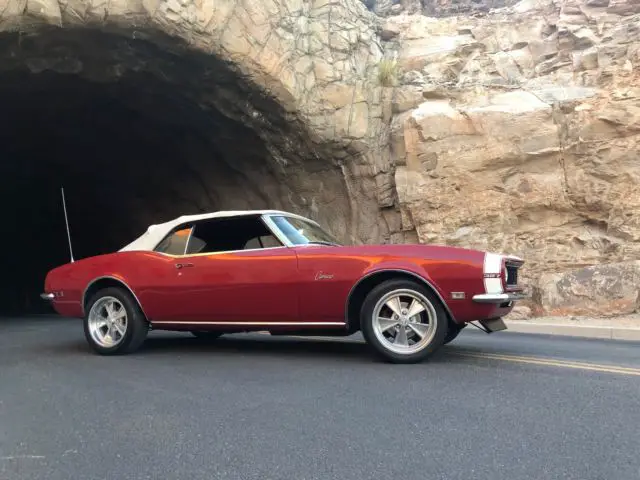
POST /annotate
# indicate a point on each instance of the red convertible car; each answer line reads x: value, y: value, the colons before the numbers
x: 242, y: 271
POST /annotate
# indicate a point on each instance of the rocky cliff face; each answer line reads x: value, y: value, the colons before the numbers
x: 435, y: 8
x: 513, y: 129
x: 519, y: 132
x: 186, y: 107
x: 321, y: 129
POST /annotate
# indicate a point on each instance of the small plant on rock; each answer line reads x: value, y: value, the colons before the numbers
x: 387, y: 73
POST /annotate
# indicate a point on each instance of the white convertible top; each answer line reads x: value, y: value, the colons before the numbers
x: 155, y: 233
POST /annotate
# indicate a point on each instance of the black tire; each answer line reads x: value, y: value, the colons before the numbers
x: 366, y: 321
x: 136, y: 328
x: 453, y: 332
x: 206, y: 335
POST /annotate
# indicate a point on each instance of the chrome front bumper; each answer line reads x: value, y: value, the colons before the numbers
x: 497, y: 298
x: 47, y: 296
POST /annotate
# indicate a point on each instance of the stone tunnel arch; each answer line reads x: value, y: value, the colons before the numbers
x: 139, y: 128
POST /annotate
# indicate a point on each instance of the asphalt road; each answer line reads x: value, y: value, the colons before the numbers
x: 505, y: 406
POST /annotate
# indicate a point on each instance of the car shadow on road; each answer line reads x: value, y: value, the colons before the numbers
x: 257, y: 345
x: 340, y: 348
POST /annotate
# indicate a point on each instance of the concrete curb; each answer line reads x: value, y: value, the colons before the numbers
x: 588, y: 331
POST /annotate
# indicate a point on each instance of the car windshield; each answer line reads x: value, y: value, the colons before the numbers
x: 302, y: 232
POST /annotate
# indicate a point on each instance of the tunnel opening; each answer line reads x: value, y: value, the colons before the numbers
x: 138, y: 129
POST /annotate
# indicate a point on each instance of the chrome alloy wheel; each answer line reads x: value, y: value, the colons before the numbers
x: 107, y: 322
x: 404, y: 321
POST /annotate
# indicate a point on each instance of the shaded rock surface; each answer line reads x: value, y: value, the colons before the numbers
x: 610, y: 289
x: 435, y: 8
x: 300, y: 77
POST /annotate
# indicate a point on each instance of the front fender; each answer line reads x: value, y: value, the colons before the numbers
x: 411, y: 269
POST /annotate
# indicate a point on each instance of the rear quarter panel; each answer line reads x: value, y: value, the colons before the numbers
x: 68, y: 282
x: 145, y: 273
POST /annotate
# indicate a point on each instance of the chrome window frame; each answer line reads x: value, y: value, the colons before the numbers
x: 269, y: 224
x: 279, y: 234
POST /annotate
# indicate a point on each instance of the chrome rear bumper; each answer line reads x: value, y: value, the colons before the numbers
x: 499, y: 297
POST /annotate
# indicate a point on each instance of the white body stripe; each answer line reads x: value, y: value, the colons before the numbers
x: 250, y: 324
x: 492, y: 264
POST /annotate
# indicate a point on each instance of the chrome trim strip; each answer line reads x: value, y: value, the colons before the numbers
x: 314, y: 324
x: 398, y: 270
x: 276, y: 213
x: 186, y: 245
x: 222, y: 252
x: 280, y: 235
x: 514, y: 259
x: 271, y: 225
x: 47, y: 296
x: 499, y: 297
x: 110, y: 277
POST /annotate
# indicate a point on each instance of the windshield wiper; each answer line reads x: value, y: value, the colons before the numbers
x: 320, y: 242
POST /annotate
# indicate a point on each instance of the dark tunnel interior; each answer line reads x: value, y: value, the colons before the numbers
x: 136, y: 136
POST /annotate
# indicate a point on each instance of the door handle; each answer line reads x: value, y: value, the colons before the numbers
x: 183, y: 265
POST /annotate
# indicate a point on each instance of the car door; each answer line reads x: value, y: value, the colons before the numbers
x: 230, y: 275
x: 159, y: 289
x: 327, y: 275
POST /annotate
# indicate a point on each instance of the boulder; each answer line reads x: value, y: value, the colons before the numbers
x: 599, y: 290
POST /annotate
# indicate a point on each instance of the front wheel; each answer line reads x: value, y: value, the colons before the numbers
x: 403, y: 321
x: 114, y: 323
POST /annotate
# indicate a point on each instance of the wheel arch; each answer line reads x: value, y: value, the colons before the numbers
x: 363, y: 286
x: 104, y: 282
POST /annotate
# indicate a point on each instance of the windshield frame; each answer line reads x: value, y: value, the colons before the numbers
x: 272, y: 221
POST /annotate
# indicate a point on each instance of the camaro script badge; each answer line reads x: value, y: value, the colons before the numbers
x: 323, y: 276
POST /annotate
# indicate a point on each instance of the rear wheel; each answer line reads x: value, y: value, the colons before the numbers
x: 114, y: 323
x: 403, y: 321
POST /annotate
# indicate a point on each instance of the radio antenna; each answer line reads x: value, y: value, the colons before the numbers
x: 66, y: 221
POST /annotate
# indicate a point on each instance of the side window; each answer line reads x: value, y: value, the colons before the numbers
x: 270, y: 241
x: 253, y: 244
x: 175, y: 243
x: 230, y: 234
x: 264, y: 241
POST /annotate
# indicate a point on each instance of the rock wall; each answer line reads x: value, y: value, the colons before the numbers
x: 519, y: 132
x: 514, y: 130
x: 317, y: 58
x: 435, y: 8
